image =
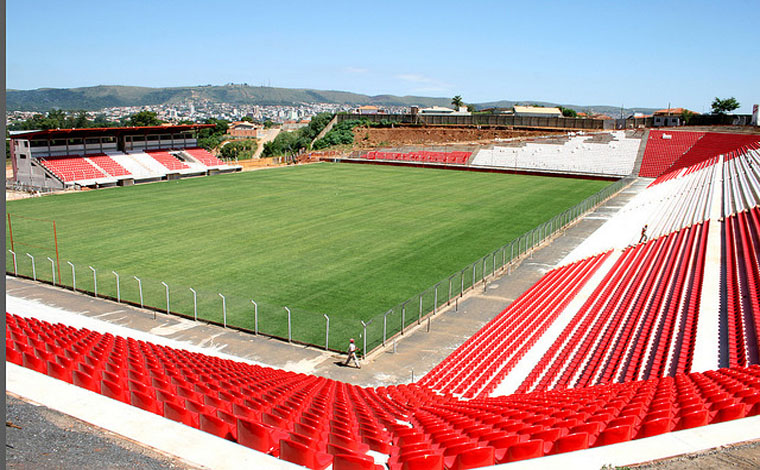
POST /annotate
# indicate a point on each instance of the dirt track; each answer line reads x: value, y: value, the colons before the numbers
x: 372, y: 137
x: 740, y: 456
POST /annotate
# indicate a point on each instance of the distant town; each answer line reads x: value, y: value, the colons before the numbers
x: 200, y: 110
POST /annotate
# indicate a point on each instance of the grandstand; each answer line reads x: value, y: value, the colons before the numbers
x: 611, y: 153
x: 423, y: 156
x: 600, y: 155
x: 627, y: 338
x: 101, y: 157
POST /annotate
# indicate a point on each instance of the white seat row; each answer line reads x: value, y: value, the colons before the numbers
x: 150, y: 163
x: 614, y: 158
x: 741, y: 183
x: 663, y: 208
x: 137, y: 169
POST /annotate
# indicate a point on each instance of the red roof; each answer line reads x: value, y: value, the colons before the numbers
x: 672, y: 112
x: 96, y: 131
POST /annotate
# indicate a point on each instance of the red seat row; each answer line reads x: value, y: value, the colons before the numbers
x: 663, y: 148
x: 665, y: 158
x: 639, y: 322
x: 109, y: 165
x: 713, y: 144
x: 482, y: 362
x: 72, y: 168
x: 455, y: 158
x: 740, y: 312
x: 313, y: 421
x: 168, y: 160
x: 203, y: 156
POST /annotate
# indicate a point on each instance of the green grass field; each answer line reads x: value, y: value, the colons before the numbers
x: 350, y: 241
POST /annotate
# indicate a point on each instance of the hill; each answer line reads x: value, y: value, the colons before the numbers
x: 105, y: 96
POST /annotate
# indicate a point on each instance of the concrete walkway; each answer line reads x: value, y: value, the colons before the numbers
x: 416, y: 353
x: 706, y: 344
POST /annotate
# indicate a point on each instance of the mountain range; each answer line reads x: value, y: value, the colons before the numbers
x: 106, y: 96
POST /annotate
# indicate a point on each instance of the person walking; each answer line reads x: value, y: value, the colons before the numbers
x: 352, y: 350
x: 644, y: 236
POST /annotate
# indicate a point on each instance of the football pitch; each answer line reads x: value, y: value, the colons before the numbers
x: 349, y: 241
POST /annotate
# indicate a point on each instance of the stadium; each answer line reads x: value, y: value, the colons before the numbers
x: 582, y: 298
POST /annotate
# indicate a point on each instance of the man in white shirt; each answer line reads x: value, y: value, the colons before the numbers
x: 352, y: 349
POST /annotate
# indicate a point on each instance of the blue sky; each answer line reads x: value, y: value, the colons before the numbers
x: 644, y: 54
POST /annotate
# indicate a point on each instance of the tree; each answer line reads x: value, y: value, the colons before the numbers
x: 686, y: 116
x: 457, y: 101
x: 211, y: 137
x: 568, y: 112
x: 102, y: 121
x: 81, y: 121
x: 247, y: 119
x: 240, y: 149
x: 144, y: 118
x: 471, y: 108
x: 316, y: 125
x: 724, y: 106
x: 268, y: 124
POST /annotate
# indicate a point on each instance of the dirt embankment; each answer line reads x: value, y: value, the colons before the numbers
x: 373, y: 137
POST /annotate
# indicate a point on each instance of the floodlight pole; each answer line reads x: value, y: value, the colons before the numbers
x: 118, y: 287
x: 15, y: 265
x: 290, y: 339
x: 139, y: 287
x: 224, y: 310
x: 255, y: 317
x: 34, y: 268
x: 94, y: 280
x: 167, y: 295
x: 73, y: 276
x: 52, y: 267
x: 195, y: 303
x: 327, y: 332
x: 419, y: 317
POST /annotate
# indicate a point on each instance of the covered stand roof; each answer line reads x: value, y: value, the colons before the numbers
x: 112, y: 131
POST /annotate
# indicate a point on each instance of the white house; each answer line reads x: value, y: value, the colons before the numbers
x: 441, y: 111
x: 536, y: 111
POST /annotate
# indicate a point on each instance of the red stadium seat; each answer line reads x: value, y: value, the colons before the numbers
x: 354, y: 462
x: 303, y: 455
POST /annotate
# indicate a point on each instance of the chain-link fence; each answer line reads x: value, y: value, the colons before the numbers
x: 233, y: 311
x: 287, y: 323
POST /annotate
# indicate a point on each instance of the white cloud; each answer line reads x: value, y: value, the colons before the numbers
x: 351, y: 69
x: 415, y: 78
x: 424, y: 84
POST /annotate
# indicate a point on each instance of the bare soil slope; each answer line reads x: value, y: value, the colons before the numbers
x: 372, y: 137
